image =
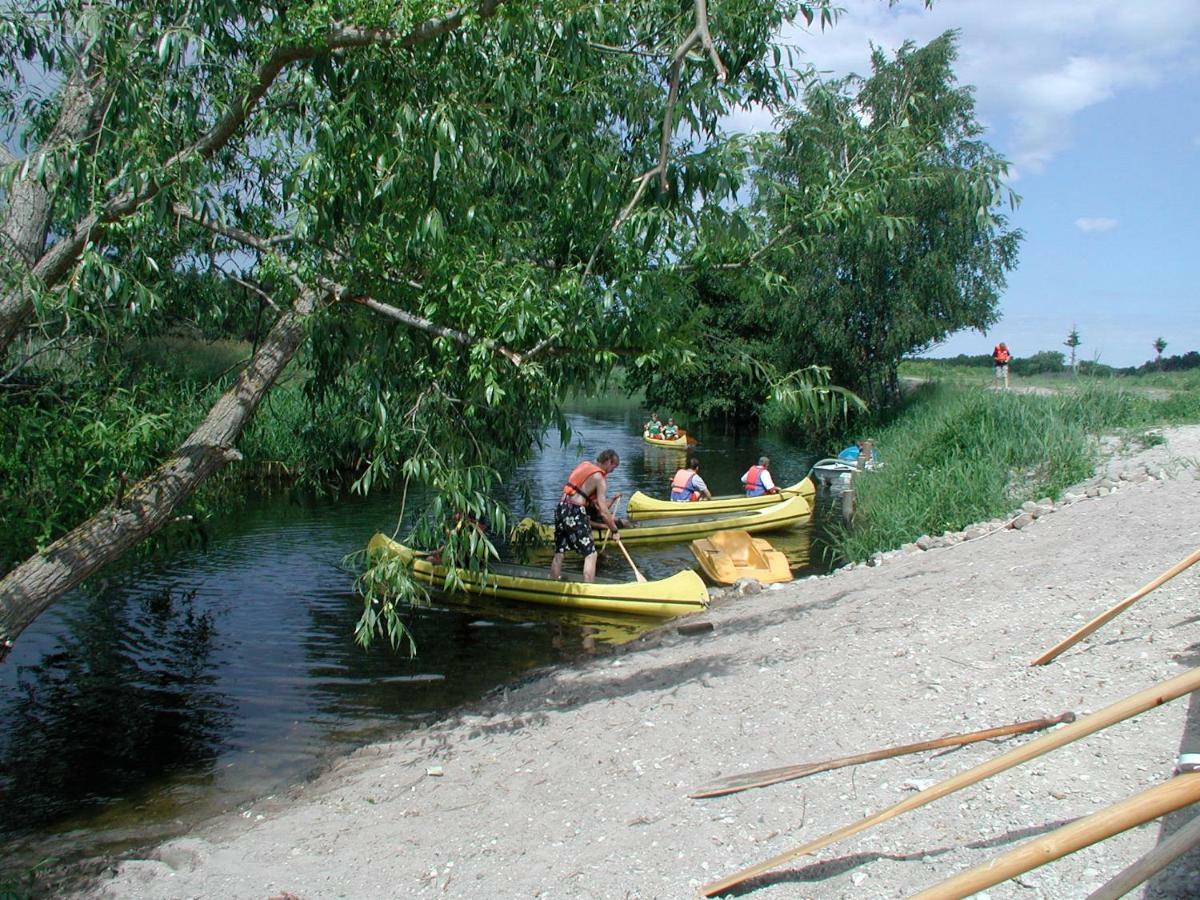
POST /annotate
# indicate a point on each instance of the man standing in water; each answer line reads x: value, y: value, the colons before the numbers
x: 586, y: 490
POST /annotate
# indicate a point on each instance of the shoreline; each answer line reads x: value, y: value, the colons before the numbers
x: 573, y: 781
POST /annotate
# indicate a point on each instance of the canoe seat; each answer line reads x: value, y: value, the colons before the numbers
x: 739, y: 547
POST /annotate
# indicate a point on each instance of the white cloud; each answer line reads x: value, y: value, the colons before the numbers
x: 1088, y: 224
x: 1035, y: 64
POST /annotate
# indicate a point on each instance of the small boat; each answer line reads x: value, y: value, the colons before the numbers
x: 683, y: 592
x: 793, y: 511
x: 642, y: 506
x: 836, y: 474
x: 729, y: 555
x: 679, y: 442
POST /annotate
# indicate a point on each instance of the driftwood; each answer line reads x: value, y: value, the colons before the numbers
x: 1177, y: 793
x: 1124, y: 709
x: 1157, y: 859
x: 735, y: 783
x: 1115, y: 611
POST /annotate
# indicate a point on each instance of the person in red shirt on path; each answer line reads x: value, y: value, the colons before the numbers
x: 1001, y: 356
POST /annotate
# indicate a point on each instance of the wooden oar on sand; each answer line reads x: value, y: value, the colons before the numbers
x: 1182, y: 841
x: 1124, y: 709
x: 1177, y: 793
x: 735, y: 783
x: 1115, y: 611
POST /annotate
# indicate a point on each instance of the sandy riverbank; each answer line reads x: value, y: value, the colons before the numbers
x: 574, y: 783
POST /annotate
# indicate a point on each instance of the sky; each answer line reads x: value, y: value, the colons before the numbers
x: 1097, y: 109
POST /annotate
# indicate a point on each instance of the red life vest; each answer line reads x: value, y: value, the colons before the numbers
x: 1001, y: 355
x: 753, y: 480
x: 682, y: 484
x: 580, y: 474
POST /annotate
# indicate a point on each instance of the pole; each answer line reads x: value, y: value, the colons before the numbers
x: 1115, y: 611
x: 1117, y: 712
x: 1181, y: 791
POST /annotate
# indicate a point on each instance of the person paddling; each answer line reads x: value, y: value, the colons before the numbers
x: 687, y: 486
x: 654, y: 427
x: 757, y: 479
x: 586, y: 491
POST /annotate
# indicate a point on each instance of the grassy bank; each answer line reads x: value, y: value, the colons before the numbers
x: 68, y: 446
x: 958, y: 454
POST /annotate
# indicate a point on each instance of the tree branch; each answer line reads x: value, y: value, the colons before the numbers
x: 16, y: 304
x: 340, y: 292
x: 146, y: 507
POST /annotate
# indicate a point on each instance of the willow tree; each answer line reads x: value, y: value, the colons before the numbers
x: 884, y: 210
x: 451, y: 212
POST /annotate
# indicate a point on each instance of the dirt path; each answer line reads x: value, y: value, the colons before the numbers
x: 574, y: 783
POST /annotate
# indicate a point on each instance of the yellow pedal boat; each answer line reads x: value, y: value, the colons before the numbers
x: 683, y: 592
x: 643, y: 506
x: 729, y: 555
x: 792, y: 511
x: 681, y: 442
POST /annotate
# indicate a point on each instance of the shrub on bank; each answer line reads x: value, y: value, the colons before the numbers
x: 956, y: 455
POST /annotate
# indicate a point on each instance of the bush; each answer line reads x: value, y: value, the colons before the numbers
x: 1047, y: 362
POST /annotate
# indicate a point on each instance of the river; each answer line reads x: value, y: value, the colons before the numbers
x: 174, y: 689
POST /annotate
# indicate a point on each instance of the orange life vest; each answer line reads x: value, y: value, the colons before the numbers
x: 1001, y: 355
x: 753, y: 481
x: 682, y: 484
x: 580, y: 474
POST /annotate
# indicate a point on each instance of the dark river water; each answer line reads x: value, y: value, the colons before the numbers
x: 175, y: 689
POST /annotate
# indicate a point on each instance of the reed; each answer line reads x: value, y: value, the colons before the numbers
x: 955, y: 455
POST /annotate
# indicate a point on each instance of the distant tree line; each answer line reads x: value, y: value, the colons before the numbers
x: 1053, y: 362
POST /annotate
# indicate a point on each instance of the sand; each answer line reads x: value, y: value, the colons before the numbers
x: 574, y: 782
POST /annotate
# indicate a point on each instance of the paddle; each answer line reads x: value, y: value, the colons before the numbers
x: 1125, y: 709
x: 1177, y: 793
x: 735, y: 783
x: 640, y: 577
x: 1115, y: 611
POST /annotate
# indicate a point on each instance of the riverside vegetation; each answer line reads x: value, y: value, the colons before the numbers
x: 955, y: 454
x: 68, y: 445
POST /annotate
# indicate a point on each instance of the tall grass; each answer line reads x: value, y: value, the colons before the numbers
x: 956, y: 455
x: 70, y: 445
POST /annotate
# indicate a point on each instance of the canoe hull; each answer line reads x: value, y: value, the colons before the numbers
x: 683, y: 592
x: 642, y: 506
x: 793, y: 511
x: 730, y: 555
x: 679, y: 443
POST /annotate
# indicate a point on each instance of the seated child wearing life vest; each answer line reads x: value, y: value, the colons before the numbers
x: 654, y: 427
x: 670, y: 431
x: 687, y: 486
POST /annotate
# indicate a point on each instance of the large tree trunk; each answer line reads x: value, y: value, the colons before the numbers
x: 35, y: 584
x: 27, y: 214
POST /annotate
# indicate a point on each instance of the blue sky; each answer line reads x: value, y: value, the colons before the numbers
x: 1096, y: 106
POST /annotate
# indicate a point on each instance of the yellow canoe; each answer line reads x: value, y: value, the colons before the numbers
x: 729, y: 555
x: 683, y: 592
x: 676, y: 443
x: 643, y: 506
x: 792, y: 511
